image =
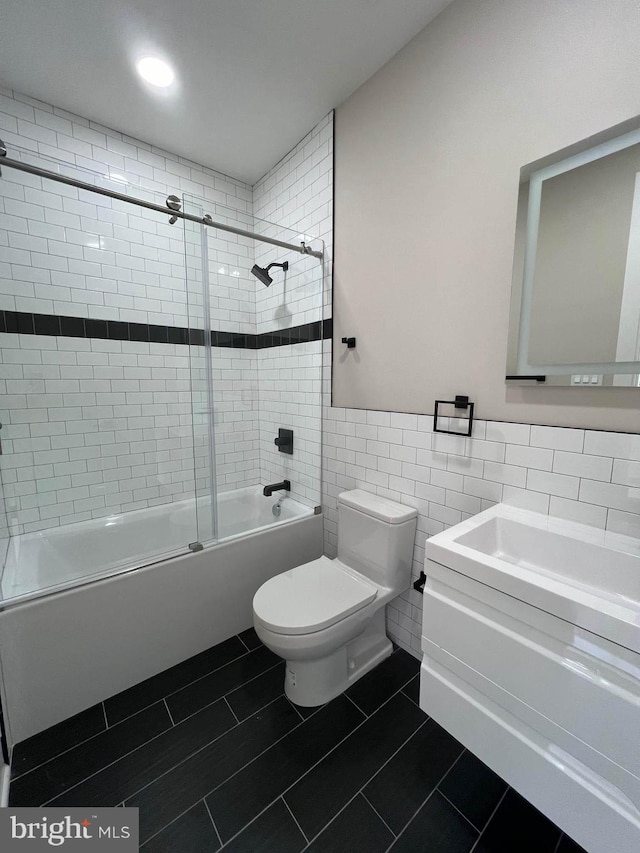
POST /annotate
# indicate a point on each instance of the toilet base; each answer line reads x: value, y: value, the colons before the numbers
x: 313, y: 682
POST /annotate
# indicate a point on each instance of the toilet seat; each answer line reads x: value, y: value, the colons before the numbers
x: 310, y: 597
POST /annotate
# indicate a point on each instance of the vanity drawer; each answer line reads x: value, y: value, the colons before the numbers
x: 577, y: 681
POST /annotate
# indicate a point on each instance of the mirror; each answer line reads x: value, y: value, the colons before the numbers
x: 575, y: 304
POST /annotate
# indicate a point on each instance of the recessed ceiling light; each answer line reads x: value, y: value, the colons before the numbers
x: 155, y: 71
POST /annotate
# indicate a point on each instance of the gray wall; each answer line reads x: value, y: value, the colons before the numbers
x: 428, y: 154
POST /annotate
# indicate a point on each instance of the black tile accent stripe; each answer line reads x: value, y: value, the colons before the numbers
x: 20, y: 322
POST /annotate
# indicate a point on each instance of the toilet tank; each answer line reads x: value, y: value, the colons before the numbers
x: 375, y: 537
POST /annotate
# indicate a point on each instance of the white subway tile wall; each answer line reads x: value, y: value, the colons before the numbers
x: 236, y: 418
x: 68, y: 252
x: 93, y: 427
x: 107, y: 426
x: 296, y: 193
x: 71, y: 252
x: 290, y: 396
x: 581, y: 475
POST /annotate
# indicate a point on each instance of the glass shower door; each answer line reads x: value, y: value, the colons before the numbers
x: 262, y: 370
x: 98, y: 433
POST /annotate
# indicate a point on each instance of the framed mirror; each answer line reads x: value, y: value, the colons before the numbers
x: 575, y: 303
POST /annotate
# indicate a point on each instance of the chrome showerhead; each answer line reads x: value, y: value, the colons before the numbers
x: 262, y: 274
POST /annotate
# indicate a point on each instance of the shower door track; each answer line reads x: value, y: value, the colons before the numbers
x: 169, y: 209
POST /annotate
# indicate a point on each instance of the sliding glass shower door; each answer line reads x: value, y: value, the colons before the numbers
x: 99, y: 433
x: 262, y: 371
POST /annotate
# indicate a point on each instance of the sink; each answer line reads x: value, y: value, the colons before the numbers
x: 586, y: 576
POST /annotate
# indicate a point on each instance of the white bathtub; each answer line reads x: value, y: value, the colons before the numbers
x: 83, y: 623
x: 62, y: 557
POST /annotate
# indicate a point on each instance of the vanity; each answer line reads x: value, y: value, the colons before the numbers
x: 531, y: 643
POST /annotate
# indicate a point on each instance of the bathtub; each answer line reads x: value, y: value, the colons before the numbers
x: 82, y: 620
x: 63, y: 557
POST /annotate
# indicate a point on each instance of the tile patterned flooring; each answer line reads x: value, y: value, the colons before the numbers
x: 215, y: 756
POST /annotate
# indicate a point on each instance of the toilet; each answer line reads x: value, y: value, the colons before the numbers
x: 326, y: 618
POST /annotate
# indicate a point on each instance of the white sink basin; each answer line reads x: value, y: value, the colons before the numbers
x: 586, y: 576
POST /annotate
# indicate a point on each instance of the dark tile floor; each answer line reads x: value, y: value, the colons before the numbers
x: 214, y: 755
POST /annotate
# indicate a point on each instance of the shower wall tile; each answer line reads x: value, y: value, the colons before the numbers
x: 572, y: 474
x: 95, y: 427
x: 68, y: 253
x: 298, y: 194
x: 290, y: 396
x: 236, y: 407
x: 65, y: 251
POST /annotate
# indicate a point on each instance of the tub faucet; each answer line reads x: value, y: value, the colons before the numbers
x: 274, y: 487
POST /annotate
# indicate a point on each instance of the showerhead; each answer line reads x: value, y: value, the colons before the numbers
x: 262, y: 274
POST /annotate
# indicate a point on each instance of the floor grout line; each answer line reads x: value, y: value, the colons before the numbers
x: 206, y: 805
x: 243, y: 642
x: 229, y: 692
x: 302, y: 720
x: 177, y: 817
x: 360, y: 724
x: 81, y: 743
x: 295, y: 708
x: 557, y: 847
x: 282, y: 793
x: 200, y: 749
x: 355, y: 705
x: 431, y: 793
x: 454, y: 806
x: 60, y: 754
x: 235, y: 773
x: 281, y: 796
x: 286, y: 805
x: 188, y: 684
x: 169, y: 712
x: 370, y: 779
x: 155, y: 737
x: 407, y: 695
x: 491, y: 816
x: 226, y: 701
x: 373, y: 808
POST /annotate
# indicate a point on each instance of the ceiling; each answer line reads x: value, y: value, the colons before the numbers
x: 253, y: 76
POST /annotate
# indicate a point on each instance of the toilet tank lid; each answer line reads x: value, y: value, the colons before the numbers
x: 382, y: 508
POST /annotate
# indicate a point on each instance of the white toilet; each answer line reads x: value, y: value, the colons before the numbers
x: 326, y: 618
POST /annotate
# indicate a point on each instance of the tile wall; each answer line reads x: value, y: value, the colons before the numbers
x: 68, y: 253
x: 297, y: 194
x: 90, y: 422
x: 94, y: 427
x: 587, y: 476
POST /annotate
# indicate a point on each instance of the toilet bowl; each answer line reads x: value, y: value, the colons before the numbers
x: 326, y: 618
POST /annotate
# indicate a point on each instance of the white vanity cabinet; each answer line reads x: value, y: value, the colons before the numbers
x: 531, y: 641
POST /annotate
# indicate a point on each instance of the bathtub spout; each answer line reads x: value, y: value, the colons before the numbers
x: 274, y: 487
